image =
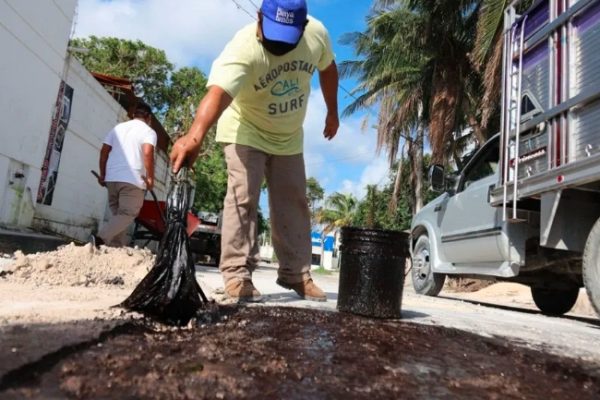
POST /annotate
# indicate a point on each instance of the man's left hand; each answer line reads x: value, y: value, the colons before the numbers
x: 332, y: 123
x: 184, y: 152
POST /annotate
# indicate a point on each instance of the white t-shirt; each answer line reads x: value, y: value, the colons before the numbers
x: 125, y: 160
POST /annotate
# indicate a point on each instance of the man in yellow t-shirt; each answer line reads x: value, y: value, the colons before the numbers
x: 258, y: 91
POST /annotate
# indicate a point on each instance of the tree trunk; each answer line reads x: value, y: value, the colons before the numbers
x: 478, y: 131
x: 446, y: 89
x: 397, y: 181
x: 418, y: 167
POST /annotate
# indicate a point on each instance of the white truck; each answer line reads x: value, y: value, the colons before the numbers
x: 526, y: 207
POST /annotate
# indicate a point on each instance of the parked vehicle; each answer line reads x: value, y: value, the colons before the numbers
x: 204, y: 230
x: 526, y: 207
x: 205, y: 242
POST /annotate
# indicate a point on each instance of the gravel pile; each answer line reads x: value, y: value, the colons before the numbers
x: 73, y: 265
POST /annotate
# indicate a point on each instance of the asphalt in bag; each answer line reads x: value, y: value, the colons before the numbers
x: 169, y: 293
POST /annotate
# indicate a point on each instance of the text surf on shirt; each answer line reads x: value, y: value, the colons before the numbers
x: 291, y: 98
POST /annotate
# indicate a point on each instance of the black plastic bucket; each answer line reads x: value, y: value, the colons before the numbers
x: 372, y: 272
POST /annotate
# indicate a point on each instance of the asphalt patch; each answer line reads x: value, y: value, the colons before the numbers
x: 264, y: 352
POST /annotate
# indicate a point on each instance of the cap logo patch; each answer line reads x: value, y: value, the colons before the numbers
x: 284, y: 16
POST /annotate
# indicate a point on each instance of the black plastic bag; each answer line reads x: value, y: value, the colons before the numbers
x: 170, y: 292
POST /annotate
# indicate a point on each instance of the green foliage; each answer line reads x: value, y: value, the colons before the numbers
x: 314, y: 194
x: 413, y: 62
x: 173, y: 95
x: 339, y: 210
x: 374, y: 211
x: 314, y: 191
x: 134, y: 60
x: 187, y: 87
x: 211, y: 179
x: 321, y: 271
x: 264, y: 225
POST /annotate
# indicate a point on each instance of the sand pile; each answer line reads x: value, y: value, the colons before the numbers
x: 466, y: 285
x: 73, y: 265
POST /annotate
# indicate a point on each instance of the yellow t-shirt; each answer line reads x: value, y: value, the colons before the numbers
x: 269, y: 92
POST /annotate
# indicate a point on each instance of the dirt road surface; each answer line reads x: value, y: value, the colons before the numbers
x: 42, y: 326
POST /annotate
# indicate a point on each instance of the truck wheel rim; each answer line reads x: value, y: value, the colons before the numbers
x: 421, y: 265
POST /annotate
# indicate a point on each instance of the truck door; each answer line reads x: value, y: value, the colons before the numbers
x: 470, y: 226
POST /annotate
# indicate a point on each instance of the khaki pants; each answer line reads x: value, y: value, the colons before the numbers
x: 289, y: 213
x: 125, y: 201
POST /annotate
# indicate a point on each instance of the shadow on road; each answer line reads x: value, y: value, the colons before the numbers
x: 408, y: 314
x: 587, y: 320
x: 290, y: 297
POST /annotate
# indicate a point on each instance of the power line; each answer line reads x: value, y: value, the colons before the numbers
x: 239, y: 6
x: 349, y: 93
x: 254, y: 4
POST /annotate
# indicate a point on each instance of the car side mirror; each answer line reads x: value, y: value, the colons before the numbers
x: 437, y: 178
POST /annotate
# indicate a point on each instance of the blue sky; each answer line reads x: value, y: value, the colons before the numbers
x: 192, y: 32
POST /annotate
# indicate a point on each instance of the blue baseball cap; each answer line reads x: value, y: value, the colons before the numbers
x: 283, y: 20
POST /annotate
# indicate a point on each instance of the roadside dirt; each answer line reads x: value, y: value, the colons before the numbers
x: 516, y: 295
x: 73, y: 265
x: 259, y: 352
x: 466, y: 285
x: 49, y: 300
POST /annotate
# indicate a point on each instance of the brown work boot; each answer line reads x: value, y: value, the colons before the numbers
x: 306, y: 290
x: 243, y: 291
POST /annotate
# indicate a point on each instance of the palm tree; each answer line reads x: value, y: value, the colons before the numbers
x: 339, y: 211
x: 414, y: 63
x: 487, y: 53
x: 314, y: 194
x: 390, y: 75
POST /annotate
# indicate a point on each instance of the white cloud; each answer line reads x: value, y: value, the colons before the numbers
x: 188, y: 30
x: 351, y: 147
x: 375, y: 173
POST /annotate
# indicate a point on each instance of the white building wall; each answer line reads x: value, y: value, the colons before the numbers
x: 33, y: 38
x: 79, y: 203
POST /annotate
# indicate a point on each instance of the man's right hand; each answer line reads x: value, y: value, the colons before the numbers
x: 101, y: 180
x: 185, y: 150
x: 149, y: 183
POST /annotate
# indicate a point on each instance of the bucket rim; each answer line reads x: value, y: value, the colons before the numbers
x: 354, y: 229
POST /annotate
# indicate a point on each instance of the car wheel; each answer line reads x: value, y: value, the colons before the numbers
x: 217, y: 259
x: 425, y: 281
x: 554, y: 301
x: 591, y: 266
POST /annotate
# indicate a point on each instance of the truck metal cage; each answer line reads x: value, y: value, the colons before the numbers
x: 550, y: 126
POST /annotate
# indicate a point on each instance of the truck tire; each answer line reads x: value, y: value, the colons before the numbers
x: 591, y: 266
x: 554, y: 301
x: 425, y: 281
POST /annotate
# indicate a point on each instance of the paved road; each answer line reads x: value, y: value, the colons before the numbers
x: 566, y: 336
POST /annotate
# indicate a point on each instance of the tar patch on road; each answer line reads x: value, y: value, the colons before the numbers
x: 262, y: 353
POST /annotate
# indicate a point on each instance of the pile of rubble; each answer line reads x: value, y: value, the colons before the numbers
x: 73, y: 265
